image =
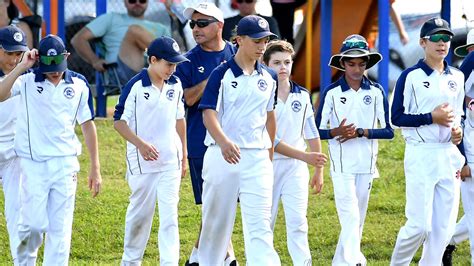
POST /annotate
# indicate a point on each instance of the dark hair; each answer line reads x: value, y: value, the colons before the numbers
x: 277, y: 46
x: 12, y: 11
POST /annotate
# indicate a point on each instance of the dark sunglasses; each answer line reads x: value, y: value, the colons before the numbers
x: 201, y: 23
x: 246, y: 1
x: 135, y: 1
x: 438, y: 37
x: 55, y: 59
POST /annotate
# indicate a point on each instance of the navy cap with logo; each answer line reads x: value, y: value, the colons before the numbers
x: 254, y: 26
x: 13, y: 39
x: 166, y: 48
x: 52, y: 53
x: 435, y: 25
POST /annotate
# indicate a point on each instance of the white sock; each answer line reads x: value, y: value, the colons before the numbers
x: 194, y: 256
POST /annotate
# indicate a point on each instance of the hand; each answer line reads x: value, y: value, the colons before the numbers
x: 317, y: 181
x: 456, y: 135
x: 28, y: 59
x: 99, y: 65
x: 316, y: 159
x: 230, y: 151
x: 344, y: 132
x: 94, y: 181
x: 465, y: 172
x: 443, y: 115
x: 148, y: 152
x: 184, y: 166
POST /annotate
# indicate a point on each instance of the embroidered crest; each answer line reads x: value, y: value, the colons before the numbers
x: 438, y: 22
x: 170, y: 94
x: 52, y: 52
x: 262, y: 85
x: 262, y: 23
x: 296, y: 106
x: 18, y: 37
x: 69, y: 92
x: 452, y: 85
x: 176, y: 47
x: 367, y: 99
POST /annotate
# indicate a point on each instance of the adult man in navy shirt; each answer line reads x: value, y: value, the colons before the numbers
x: 211, y: 50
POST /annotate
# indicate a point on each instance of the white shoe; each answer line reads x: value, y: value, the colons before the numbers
x: 231, y: 261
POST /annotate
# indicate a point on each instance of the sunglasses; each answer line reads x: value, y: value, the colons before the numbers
x: 135, y: 1
x: 356, y: 44
x: 246, y: 1
x: 201, y: 23
x: 55, y: 59
x: 438, y: 37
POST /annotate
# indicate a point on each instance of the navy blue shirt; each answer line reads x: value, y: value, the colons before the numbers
x: 201, y: 64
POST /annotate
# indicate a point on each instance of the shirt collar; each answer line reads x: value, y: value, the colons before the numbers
x: 2, y: 73
x: 40, y: 77
x: 146, y: 81
x: 428, y: 70
x: 237, y: 71
x: 364, y: 84
x: 294, y: 88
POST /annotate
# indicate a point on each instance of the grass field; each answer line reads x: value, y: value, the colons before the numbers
x: 99, y: 223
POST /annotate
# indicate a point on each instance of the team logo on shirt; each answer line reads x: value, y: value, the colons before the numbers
x: 426, y: 84
x: 367, y: 99
x: 452, y: 85
x: 69, y: 92
x: 296, y: 106
x: 262, y: 85
x: 18, y: 37
x: 170, y: 94
x: 201, y: 69
x: 146, y: 95
x: 343, y: 100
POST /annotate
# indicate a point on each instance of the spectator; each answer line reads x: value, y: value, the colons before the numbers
x: 284, y: 13
x: 120, y: 32
x: 9, y: 16
x: 247, y: 7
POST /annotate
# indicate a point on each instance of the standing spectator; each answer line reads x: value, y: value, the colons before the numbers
x: 9, y: 16
x: 246, y: 8
x: 349, y: 115
x: 125, y: 37
x: 284, y: 14
x: 428, y: 105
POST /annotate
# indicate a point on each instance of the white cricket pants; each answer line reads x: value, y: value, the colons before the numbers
x: 291, y: 186
x: 251, y: 180
x: 146, y: 190
x: 48, y: 192
x: 11, y: 175
x: 432, y: 201
x: 351, y: 194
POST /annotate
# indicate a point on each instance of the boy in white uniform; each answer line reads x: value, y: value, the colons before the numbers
x: 428, y: 105
x: 150, y: 116
x: 237, y: 105
x: 52, y: 98
x: 349, y: 115
x: 295, y: 120
x: 12, y: 45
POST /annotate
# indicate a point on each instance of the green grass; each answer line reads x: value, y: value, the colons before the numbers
x: 99, y: 223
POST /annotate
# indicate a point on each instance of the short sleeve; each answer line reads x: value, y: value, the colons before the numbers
x: 100, y: 25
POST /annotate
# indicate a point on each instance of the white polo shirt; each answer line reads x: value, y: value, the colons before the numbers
x: 419, y: 90
x: 151, y: 114
x: 295, y: 119
x: 242, y: 102
x: 8, y: 114
x: 366, y: 108
x: 48, y: 114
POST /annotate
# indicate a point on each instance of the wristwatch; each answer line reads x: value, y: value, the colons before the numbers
x: 360, y: 132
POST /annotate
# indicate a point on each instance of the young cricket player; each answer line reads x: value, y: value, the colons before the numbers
x: 150, y: 116
x: 428, y: 105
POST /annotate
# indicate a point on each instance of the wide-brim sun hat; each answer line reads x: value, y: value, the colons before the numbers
x: 462, y: 51
x: 354, y: 46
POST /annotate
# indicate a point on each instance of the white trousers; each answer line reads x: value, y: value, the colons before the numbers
x: 351, y: 194
x: 10, y: 173
x: 48, y: 192
x: 291, y: 186
x: 251, y: 180
x: 146, y: 190
x: 432, y: 201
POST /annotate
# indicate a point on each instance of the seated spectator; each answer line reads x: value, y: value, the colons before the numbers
x: 9, y: 16
x: 129, y: 32
x: 246, y: 7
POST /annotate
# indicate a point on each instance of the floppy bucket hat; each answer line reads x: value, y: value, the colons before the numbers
x: 461, y: 51
x: 354, y: 46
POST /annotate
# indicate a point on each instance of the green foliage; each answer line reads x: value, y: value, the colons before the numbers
x: 99, y: 223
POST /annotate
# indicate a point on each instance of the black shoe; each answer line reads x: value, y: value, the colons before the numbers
x: 233, y: 263
x: 448, y: 255
x: 191, y: 264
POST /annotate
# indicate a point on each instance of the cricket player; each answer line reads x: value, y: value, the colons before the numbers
x: 12, y: 46
x: 238, y: 104
x: 206, y: 21
x: 150, y: 116
x: 52, y: 99
x: 352, y: 115
x: 295, y: 120
x: 428, y: 105
x: 465, y: 227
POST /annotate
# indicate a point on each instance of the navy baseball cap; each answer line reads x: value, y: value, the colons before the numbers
x: 52, y: 53
x: 254, y: 26
x: 166, y: 48
x: 435, y: 25
x: 13, y: 39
